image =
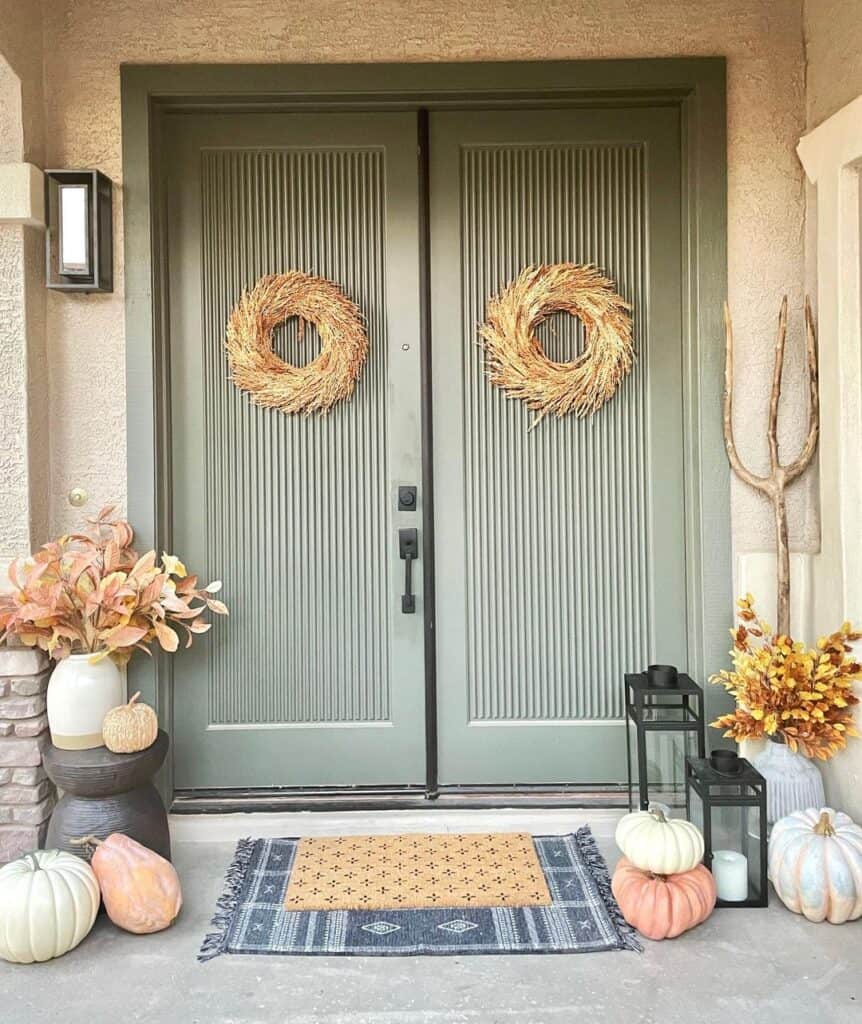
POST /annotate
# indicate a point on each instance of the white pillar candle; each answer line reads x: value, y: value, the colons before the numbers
x: 731, y: 875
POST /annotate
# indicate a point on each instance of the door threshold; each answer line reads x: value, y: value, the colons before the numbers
x: 231, y: 827
x: 248, y: 801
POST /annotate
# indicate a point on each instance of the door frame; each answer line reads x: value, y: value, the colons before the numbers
x: 695, y: 86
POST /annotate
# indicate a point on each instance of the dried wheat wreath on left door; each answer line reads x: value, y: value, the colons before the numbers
x: 270, y: 381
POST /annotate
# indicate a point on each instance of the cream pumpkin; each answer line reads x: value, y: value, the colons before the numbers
x: 140, y: 889
x: 130, y: 727
x: 815, y: 865
x: 663, y: 906
x: 48, y: 903
x: 665, y: 846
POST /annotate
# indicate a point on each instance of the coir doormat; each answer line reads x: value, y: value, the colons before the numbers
x: 411, y: 872
x: 583, y: 916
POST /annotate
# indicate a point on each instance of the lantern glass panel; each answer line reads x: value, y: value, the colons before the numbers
x: 731, y: 823
x: 695, y: 809
x: 737, y: 830
x: 666, y: 751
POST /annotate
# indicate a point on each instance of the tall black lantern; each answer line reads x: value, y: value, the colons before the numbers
x: 79, y: 238
x: 664, y: 718
x: 726, y: 798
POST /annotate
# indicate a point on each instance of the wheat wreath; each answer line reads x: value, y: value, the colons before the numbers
x: 269, y: 380
x: 516, y: 361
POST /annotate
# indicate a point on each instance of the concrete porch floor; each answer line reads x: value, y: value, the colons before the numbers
x: 764, y: 965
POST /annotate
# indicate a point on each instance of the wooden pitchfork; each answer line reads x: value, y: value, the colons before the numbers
x: 780, y: 477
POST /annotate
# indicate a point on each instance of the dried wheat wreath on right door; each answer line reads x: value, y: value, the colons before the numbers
x: 516, y: 361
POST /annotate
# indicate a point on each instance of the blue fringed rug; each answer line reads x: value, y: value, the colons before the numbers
x: 583, y: 917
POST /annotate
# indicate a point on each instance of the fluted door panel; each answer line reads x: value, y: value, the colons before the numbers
x: 557, y: 567
x: 298, y: 506
x: 555, y: 540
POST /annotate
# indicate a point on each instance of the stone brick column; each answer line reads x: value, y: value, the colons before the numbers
x: 27, y: 796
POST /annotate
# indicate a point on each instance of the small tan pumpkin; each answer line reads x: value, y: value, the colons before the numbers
x: 140, y: 890
x: 663, y: 906
x: 130, y: 727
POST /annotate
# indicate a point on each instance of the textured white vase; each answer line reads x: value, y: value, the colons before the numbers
x: 793, y: 781
x: 80, y: 694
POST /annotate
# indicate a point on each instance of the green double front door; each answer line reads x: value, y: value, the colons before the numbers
x: 559, y: 553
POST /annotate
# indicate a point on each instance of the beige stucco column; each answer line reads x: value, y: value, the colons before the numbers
x: 24, y: 383
x: 832, y: 157
x: 23, y: 377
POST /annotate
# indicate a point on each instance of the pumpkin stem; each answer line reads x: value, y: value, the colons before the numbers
x: 824, y: 825
x: 32, y: 858
x: 133, y: 698
x: 657, y: 813
x: 86, y: 841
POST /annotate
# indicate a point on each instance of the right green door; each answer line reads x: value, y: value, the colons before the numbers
x: 560, y: 557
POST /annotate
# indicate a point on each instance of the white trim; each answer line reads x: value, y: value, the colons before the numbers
x: 834, y: 143
x: 832, y: 157
x: 22, y: 195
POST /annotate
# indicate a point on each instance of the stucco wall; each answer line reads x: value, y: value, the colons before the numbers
x: 88, y: 39
x: 833, y: 43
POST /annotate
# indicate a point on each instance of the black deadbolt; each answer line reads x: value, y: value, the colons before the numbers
x: 406, y: 499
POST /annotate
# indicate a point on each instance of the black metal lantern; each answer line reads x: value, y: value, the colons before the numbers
x: 664, y: 718
x: 726, y: 798
x: 79, y: 239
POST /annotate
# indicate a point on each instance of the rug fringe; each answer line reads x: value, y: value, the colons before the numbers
x: 215, y: 943
x: 599, y: 870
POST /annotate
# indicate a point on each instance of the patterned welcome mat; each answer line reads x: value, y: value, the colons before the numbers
x: 582, y: 917
x: 499, y: 869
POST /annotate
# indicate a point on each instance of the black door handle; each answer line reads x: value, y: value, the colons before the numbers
x: 408, y: 549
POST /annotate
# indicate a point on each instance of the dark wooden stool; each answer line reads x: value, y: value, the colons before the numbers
x: 105, y: 793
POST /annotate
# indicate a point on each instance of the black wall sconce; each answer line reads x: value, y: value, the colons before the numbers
x: 79, y: 244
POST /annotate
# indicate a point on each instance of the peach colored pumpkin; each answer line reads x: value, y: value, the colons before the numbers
x: 663, y: 906
x: 140, y: 889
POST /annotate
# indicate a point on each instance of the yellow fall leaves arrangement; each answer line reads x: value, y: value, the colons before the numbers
x: 91, y: 593
x: 786, y: 690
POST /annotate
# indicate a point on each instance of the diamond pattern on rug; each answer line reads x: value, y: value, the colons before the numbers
x: 496, y: 869
x: 380, y: 927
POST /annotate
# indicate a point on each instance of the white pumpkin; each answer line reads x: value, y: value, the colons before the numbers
x: 653, y: 842
x: 48, y: 903
x: 815, y: 864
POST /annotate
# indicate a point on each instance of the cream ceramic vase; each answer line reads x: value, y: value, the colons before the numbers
x: 80, y: 694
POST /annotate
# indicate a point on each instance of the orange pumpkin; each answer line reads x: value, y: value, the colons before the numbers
x: 140, y: 889
x: 663, y: 906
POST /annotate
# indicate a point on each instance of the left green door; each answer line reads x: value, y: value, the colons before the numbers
x: 316, y: 678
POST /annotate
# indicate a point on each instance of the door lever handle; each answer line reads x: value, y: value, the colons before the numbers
x: 408, y: 549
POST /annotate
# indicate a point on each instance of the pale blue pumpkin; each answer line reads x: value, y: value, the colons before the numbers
x: 815, y: 864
